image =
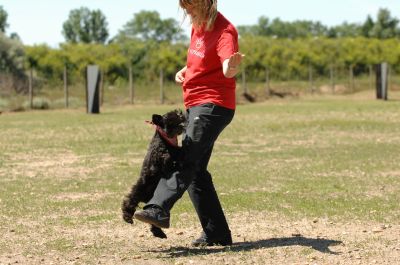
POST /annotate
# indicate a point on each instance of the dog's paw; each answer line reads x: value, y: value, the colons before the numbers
x: 127, y: 218
x: 128, y: 210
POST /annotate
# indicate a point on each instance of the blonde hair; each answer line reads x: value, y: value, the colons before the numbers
x: 206, y: 9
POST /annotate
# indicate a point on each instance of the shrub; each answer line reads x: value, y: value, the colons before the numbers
x: 38, y: 103
x: 4, y: 104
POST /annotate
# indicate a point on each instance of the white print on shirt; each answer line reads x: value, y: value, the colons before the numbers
x: 196, y: 53
x: 198, y: 45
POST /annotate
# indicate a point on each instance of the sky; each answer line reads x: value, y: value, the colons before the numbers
x: 40, y: 21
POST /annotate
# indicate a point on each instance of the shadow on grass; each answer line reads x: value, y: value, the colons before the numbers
x: 319, y: 244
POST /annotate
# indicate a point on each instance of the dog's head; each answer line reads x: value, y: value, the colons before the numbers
x: 173, y: 122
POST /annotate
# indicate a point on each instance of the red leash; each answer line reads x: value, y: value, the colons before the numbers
x: 171, y: 140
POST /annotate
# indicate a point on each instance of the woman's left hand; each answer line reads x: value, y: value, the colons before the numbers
x: 235, y: 60
x: 230, y: 66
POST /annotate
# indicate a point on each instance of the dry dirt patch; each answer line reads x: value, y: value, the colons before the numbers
x: 260, y: 238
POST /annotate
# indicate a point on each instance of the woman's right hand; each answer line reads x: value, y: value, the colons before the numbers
x: 180, y: 76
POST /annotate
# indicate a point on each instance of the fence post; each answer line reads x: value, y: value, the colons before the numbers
x: 371, y: 80
x: 161, y: 86
x: 267, y: 87
x: 92, y: 89
x: 332, y: 79
x: 101, y: 87
x: 310, y: 77
x: 382, y: 81
x: 66, y: 86
x: 31, y: 88
x: 389, y: 79
x: 131, y: 83
x: 351, y: 80
x: 244, y: 80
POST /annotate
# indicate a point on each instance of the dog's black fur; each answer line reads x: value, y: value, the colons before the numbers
x: 161, y: 160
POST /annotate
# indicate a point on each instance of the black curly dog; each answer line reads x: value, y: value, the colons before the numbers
x: 162, y: 158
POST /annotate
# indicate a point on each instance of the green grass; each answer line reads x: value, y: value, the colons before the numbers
x: 334, y: 158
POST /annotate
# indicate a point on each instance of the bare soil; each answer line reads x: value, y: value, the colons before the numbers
x: 259, y: 238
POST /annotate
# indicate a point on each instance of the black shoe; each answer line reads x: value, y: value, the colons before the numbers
x: 204, y: 240
x: 153, y: 215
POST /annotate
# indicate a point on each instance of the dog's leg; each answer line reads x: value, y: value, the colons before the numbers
x: 157, y: 232
x: 131, y: 201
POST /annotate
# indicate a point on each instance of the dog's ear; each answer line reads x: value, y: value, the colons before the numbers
x: 157, y: 120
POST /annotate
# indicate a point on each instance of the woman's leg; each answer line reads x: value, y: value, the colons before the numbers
x: 205, y: 200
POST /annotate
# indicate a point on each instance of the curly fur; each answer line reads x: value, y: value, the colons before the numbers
x: 160, y: 161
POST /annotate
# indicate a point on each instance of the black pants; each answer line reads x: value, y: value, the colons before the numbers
x: 205, y: 123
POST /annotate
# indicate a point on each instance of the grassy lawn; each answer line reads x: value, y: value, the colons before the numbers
x: 63, y: 174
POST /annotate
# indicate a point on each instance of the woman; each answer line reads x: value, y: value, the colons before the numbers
x: 209, y: 97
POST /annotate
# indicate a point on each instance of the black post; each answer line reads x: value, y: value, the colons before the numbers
x: 93, y: 89
x: 381, y: 71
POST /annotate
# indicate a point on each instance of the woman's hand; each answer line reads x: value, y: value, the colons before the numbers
x: 180, y: 75
x: 231, y: 66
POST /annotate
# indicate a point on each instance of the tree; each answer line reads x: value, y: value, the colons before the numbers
x: 11, y: 55
x: 147, y: 25
x: 12, y: 61
x: 263, y: 26
x: 385, y: 26
x: 367, y: 27
x: 282, y: 29
x: 85, y: 26
x: 345, y: 30
x: 3, y: 20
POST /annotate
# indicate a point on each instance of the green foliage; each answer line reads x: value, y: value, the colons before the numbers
x: 288, y: 57
x: 282, y: 29
x: 3, y: 20
x: 146, y: 59
x: 11, y: 55
x: 148, y: 44
x: 85, y: 26
x: 285, y: 58
x: 384, y: 27
x: 148, y: 25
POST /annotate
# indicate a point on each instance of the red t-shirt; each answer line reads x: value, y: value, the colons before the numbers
x: 204, y: 79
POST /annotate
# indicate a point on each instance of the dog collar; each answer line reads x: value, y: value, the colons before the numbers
x: 171, y: 140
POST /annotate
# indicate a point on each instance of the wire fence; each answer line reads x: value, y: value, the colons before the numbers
x: 18, y: 93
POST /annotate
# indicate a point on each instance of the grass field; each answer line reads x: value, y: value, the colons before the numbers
x: 304, y: 181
